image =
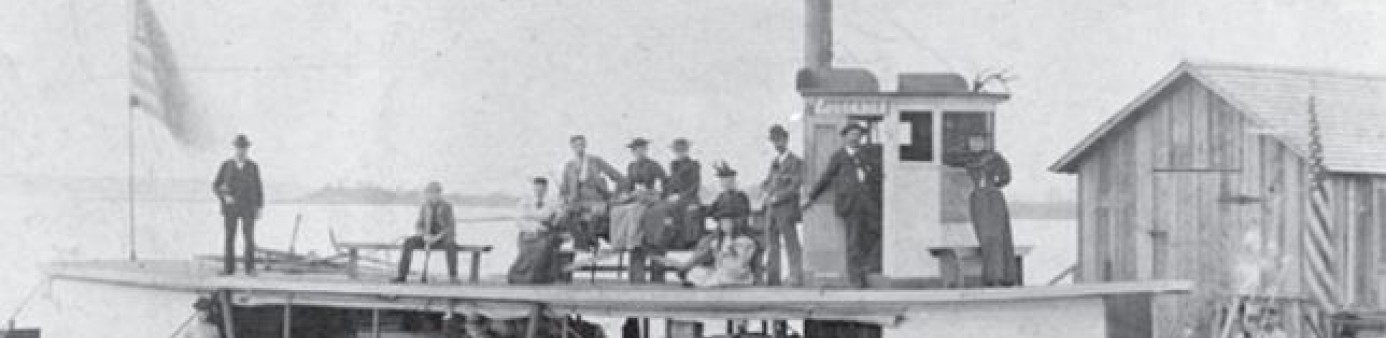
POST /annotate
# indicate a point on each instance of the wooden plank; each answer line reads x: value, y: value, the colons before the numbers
x: 1195, y: 101
x: 1126, y: 215
x: 1088, y: 223
x: 1181, y: 129
x: 1142, y: 171
x: 1160, y: 203
x: 1294, y: 205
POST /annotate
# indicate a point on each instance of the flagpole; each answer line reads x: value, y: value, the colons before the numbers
x: 130, y: 128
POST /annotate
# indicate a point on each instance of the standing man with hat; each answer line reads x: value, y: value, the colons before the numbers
x: 780, y: 204
x: 854, y: 174
x: 237, y: 186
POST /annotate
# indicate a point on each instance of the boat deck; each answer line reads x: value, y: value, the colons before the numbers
x: 653, y: 300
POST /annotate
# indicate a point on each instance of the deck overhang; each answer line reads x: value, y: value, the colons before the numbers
x: 499, y: 300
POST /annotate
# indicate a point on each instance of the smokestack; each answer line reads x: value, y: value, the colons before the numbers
x: 818, y: 34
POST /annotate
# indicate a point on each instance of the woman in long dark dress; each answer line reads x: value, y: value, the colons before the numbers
x: 990, y: 218
x: 536, y: 262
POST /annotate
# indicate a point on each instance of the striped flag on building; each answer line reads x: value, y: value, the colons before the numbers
x: 157, y: 86
x: 1321, y: 255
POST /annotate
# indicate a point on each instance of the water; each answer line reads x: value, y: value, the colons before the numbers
x: 39, y: 229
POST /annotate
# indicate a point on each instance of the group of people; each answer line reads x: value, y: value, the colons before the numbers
x: 648, y: 211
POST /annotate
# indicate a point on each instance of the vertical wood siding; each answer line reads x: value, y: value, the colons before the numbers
x: 1182, y: 190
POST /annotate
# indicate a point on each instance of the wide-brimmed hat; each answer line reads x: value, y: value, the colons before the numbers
x: 241, y: 141
x: 723, y: 169
x: 638, y: 142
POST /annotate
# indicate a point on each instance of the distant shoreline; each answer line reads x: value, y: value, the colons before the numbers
x: 369, y: 195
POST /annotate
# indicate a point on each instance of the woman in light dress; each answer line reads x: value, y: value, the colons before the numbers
x: 723, y: 258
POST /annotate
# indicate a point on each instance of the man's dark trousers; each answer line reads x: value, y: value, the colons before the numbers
x: 863, y: 244
x: 416, y: 243
x: 247, y: 224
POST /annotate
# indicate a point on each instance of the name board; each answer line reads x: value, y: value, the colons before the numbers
x: 849, y: 106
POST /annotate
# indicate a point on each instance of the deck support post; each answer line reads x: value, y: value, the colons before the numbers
x: 535, y: 316
x: 228, y: 324
x: 474, y: 276
x: 375, y: 323
x: 288, y: 316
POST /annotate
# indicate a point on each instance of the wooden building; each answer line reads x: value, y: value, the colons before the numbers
x: 1205, y: 175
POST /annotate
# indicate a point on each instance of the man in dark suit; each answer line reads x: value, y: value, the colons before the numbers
x: 237, y: 186
x: 781, y: 207
x: 854, y: 173
x: 435, y: 229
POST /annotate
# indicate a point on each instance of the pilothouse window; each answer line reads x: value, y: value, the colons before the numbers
x: 958, y: 127
x: 916, y: 136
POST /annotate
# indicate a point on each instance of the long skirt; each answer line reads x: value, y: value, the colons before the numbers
x: 992, y: 223
x: 687, y: 227
x: 626, y: 226
x: 659, y: 226
x: 537, y: 262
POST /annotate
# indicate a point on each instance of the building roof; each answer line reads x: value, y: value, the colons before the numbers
x: 1351, y: 107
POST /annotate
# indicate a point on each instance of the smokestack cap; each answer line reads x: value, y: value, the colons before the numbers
x: 837, y: 80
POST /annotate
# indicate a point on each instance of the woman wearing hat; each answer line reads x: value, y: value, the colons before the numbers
x: 640, y: 216
x: 685, y: 180
x: 237, y: 186
x: 727, y: 256
x: 990, y: 218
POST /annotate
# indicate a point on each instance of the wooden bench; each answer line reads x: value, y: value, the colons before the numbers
x: 354, y: 256
x: 951, y: 262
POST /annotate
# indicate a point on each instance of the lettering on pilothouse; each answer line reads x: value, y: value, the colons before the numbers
x: 852, y: 106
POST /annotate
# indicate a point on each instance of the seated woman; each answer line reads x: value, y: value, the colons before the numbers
x: 722, y: 258
x: 539, y: 242
x: 725, y: 257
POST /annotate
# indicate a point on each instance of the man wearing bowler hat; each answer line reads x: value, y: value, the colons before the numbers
x: 237, y: 186
x: 781, y: 207
x: 854, y: 173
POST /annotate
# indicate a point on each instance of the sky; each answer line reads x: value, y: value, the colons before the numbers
x: 481, y: 93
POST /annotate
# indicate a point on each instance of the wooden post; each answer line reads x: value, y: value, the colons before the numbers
x: 474, y: 276
x: 375, y: 323
x: 228, y: 323
x: 353, y: 261
x: 532, y: 329
x: 564, y: 333
x: 289, y: 316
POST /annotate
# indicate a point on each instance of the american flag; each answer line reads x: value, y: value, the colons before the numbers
x: 157, y: 86
x: 1321, y: 254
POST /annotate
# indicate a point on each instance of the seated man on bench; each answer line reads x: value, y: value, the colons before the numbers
x: 435, y: 230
